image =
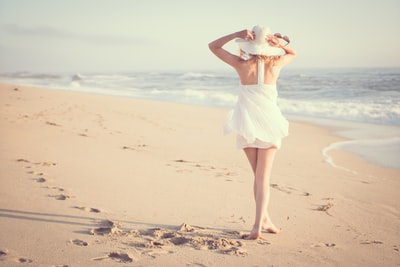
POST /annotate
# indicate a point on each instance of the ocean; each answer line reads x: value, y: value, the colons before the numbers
x: 364, y: 103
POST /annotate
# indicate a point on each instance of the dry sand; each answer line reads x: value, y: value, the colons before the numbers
x: 91, y: 180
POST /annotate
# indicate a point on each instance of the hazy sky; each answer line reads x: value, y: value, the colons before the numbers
x: 122, y: 35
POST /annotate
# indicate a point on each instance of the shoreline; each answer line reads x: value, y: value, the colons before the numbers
x: 374, y: 143
x: 169, y: 188
x: 362, y: 139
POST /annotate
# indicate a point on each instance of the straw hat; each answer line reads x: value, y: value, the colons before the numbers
x: 259, y: 46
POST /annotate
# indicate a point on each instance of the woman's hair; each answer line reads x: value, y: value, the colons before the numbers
x: 268, y: 59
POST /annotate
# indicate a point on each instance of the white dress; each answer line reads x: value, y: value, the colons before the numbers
x: 256, y: 117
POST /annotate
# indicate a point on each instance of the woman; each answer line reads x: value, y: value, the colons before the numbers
x: 256, y: 118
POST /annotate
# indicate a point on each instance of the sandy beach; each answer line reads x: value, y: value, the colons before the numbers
x: 94, y: 180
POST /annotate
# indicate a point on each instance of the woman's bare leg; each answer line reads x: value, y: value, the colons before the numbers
x: 251, y: 153
x: 261, y: 161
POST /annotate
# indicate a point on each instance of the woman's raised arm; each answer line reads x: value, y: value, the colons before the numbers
x: 217, y: 46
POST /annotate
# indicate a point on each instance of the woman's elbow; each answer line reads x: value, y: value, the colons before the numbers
x: 212, y: 46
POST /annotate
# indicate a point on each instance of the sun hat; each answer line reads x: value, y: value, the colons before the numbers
x: 259, y: 46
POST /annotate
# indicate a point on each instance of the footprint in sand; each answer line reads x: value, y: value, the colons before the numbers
x: 288, y: 190
x: 46, y: 163
x: 190, y: 166
x: 55, y: 188
x: 117, y: 256
x: 23, y: 160
x: 154, y: 242
x: 40, y: 180
x: 23, y: 260
x: 189, y: 236
x: 373, y: 242
x: 4, y: 256
x: 234, y: 219
x: 121, y: 257
x: 319, y: 245
x: 325, y: 207
x: 105, y: 231
x: 106, y: 228
x: 35, y: 173
x: 79, y: 242
x: 3, y: 253
x: 52, y: 123
x: 60, y: 197
x: 136, y: 147
x: 94, y: 210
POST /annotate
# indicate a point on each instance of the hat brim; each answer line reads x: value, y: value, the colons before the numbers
x: 264, y: 49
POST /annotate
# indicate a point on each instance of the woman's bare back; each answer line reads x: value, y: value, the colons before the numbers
x: 248, y: 72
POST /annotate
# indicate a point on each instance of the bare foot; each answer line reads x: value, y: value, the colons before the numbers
x: 270, y: 227
x: 252, y: 236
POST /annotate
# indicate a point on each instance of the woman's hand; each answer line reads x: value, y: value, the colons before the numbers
x: 273, y: 40
x: 246, y: 35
